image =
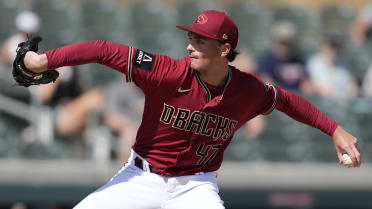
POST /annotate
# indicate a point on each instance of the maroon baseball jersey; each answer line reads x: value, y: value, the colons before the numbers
x: 184, y: 130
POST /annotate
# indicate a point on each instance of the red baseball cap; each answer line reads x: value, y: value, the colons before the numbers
x: 215, y: 25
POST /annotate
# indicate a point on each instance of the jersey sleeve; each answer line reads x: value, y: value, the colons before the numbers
x: 266, y: 95
x: 154, y: 73
x: 151, y: 72
x: 261, y: 96
x: 270, y: 97
x: 303, y: 111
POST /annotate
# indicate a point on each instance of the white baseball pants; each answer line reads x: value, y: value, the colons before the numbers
x: 133, y: 188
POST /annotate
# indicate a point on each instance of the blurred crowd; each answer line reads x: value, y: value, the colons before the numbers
x: 71, y: 107
x: 77, y: 114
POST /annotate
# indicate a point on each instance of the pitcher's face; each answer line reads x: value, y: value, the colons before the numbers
x: 203, y: 52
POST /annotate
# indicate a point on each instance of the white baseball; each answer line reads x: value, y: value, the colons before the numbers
x: 346, y: 160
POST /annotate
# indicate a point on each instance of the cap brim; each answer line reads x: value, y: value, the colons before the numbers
x: 196, y: 31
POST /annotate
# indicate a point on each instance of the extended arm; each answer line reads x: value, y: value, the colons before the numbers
x: 110, y: 54
x: 301, y: 110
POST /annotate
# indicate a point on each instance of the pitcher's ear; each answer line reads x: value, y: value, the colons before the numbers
x: 225, y: 49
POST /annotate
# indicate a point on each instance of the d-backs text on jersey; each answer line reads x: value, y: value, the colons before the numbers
x: 201, y: 123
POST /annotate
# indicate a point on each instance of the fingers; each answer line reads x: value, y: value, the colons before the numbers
x: 358, y: 159
x: 354, y: 153
x: 339, y: 155
x: 344, y: 141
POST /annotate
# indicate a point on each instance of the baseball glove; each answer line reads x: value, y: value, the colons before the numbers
x: 24, y: 76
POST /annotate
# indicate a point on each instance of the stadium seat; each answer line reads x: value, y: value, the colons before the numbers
x: 243, y: 149
x: 10, y: 135
x: 59, y: 22
x: 100, y: 20
x: 358, y: 58
x: 153, y: 27
x: 187, y: 11
x: 4, y: 146
x: 306, y: 23
x: 96, y: 75
x: 280, y: 134
x: 8, y: 12
x: 254, y: 25
x: 337, y: 18
x: 361, y: 109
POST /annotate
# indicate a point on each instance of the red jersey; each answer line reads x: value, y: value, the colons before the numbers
x: 184, y: 130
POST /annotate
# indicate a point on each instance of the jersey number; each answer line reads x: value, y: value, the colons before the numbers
x: 204, y: 151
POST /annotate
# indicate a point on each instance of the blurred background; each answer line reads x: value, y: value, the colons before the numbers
x: 61, y: 141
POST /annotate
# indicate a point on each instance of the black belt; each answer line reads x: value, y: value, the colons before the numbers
x: 139, y: 163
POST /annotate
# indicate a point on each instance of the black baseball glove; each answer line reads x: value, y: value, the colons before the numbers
x: 24, y: 76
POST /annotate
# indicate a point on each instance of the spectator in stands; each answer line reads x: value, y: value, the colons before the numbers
x: 361, y: 30
x: 72, y: 104
x: 27, y: 24
x: 281, y: 64
x: 329, y: 74
x: 122, y: 112
x: 358, y: 49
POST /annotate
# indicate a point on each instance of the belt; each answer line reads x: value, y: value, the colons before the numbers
x: 138, y: 162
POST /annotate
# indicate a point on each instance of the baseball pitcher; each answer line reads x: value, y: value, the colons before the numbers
x: 193, y: 107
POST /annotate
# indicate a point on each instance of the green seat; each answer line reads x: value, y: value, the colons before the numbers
x: 297, y: 15
x: 243, y: 149
x: 98, y: 75
x: 363, y: 113
x: 10, y: 134
x: 285, y: 139
x: 153, y: 27
x: 337, y: 18
x: 254, y: 25
x: 272, y: 142
x: 358, y: 58
x: 187, y: 11
x: 306, y: 23
x: 59, y: 22
x: 100, y: 20
x: 8, y: 12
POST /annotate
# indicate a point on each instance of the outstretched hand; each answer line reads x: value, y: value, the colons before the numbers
x: 345, y: 142
x: 24, y: 73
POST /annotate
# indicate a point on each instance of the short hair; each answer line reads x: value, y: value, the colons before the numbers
x: 232, y: 55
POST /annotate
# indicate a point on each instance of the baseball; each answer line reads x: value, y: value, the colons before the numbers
x: 346, y: 160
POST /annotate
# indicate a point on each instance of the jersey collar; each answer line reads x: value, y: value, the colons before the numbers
x: 209, y: 95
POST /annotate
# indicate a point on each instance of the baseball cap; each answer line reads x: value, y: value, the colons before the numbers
x: 215, y: 25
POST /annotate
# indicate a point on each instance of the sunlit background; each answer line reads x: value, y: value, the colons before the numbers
x: 60, y: 142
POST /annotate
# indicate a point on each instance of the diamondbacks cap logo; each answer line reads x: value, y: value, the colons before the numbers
x: 202, y: 19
